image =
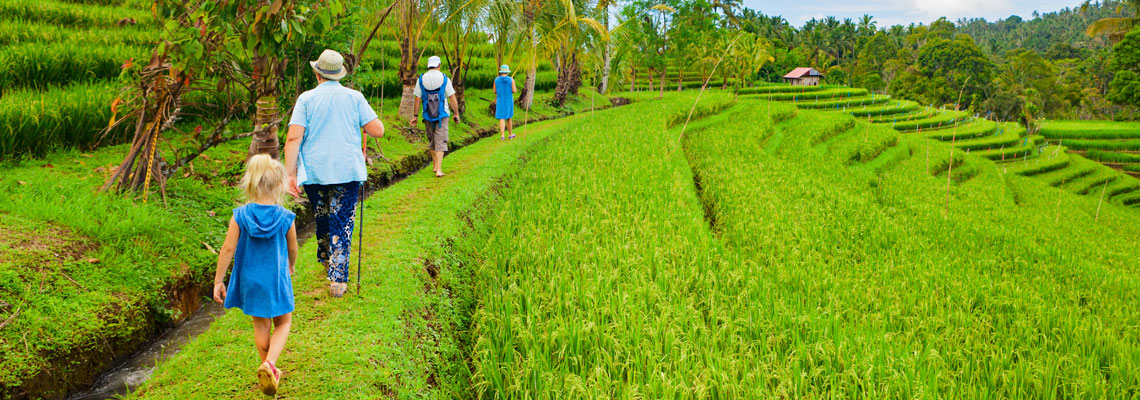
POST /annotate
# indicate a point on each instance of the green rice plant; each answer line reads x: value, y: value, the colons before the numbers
x: 974, y: 129
x: 942, y: 120
x: 1130, y: 200
x: 1090, y: 130
x: 1112, y: 157
x: 1023, y: 151
x: 1101, y: 145
x: 1085, y: 185
x: 17, y: 32
x: 1008, y: 138
x: 845, y: 103
x: 1078, y: 167
x: 865, y: 145
x: 1131, y: 167
x: 894, y: 107
x: 1124, y: 186
x: 44, y: 64
x: 919, y: 113
x: 813, y: 96
x: 1052, y: 158
x: 60, y: 13
x: 888, y: 158
x: 779, y: 89
x: 33, y: 122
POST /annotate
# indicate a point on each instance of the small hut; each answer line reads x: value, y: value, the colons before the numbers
x: 803, y: 77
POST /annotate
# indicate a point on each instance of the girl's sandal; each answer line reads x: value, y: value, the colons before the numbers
x: 512, y: 136
x: 268, y: 376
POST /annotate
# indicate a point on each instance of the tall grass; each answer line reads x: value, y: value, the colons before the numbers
x: 1106, y: 145
x: 941, y: 120
x: 34, y: 122
x: 55, y: 63
x: 60, y: 13
x: 17, y: 32
x: 1112, y: 157
x: 1090, y: 130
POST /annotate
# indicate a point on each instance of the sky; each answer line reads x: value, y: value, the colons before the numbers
x: 903, y: 12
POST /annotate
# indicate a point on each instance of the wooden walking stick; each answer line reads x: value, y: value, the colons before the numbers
x: 360, y: 236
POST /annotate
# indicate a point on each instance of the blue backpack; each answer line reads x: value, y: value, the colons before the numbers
x: 433, y: 101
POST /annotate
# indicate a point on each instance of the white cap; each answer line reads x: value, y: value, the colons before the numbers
x: 433, y: 62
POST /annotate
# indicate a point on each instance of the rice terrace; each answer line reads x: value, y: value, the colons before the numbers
x: 682, y: 199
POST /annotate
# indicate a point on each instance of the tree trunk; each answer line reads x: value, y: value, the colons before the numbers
x: 526, y: 95
x: 265, y: 128
x: 575, y: 75
x: 458, y: 74
x: 605, y: 84
x: 680, y: 80
x: 663, y: 71
x: 562, y: 88
x: 409, y: 58
x: 650, y: 80
x: 632, y: 79
x: 407, y: 102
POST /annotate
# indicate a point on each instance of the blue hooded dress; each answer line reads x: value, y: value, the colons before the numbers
x: 504, y: 98
x: 260, y: 284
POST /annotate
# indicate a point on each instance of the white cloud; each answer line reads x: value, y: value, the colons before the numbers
x: 954, y: 9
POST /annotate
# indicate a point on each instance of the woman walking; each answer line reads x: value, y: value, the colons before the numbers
x: 324, y: 153
x: 505, y: 101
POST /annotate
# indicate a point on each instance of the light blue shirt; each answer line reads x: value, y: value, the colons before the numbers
x: 332, y: 116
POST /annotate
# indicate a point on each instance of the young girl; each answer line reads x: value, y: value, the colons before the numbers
x: 264, y: 240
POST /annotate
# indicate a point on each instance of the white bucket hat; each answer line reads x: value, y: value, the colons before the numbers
x: 433, y: 62
x: 330, y: 65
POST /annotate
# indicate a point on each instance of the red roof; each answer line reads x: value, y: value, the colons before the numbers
x: 802, y: 72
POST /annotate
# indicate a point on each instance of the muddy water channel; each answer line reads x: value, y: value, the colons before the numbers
x: 132, y: 372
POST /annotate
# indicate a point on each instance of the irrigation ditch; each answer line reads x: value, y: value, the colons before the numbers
x: 115, y: 366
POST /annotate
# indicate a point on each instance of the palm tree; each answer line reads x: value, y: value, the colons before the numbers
x: 728, y: 8
x: 867, y: 25
x: 1116, y: 27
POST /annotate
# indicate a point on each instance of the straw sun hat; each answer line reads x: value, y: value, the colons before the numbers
x: 330, y: 65
x: 504, y: 69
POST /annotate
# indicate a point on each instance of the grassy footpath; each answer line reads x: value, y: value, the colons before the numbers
x: 398, y: 335
x: 783, y: 273
x: 152, y: 262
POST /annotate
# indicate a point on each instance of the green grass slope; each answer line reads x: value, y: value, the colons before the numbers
x: 723, y: 269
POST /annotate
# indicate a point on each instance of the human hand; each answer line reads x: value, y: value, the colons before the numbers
x: 219, y: 292
x: 457, y: 118
x: 292, y: 269
x: 413, y: 122
x: 291, y: 186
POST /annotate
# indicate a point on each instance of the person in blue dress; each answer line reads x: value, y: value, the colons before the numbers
x: 505, y: 101
x: 262, y: 243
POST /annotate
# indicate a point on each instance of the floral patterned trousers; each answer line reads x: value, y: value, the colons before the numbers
x: 334, y: 208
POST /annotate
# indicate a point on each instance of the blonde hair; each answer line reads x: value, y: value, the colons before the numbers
x: 264, y: 179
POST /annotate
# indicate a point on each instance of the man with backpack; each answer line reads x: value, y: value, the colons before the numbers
x: 431, y: 90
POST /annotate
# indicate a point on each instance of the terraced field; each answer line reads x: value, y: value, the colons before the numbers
x: 1116, y: 146
x: 810, y: 256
